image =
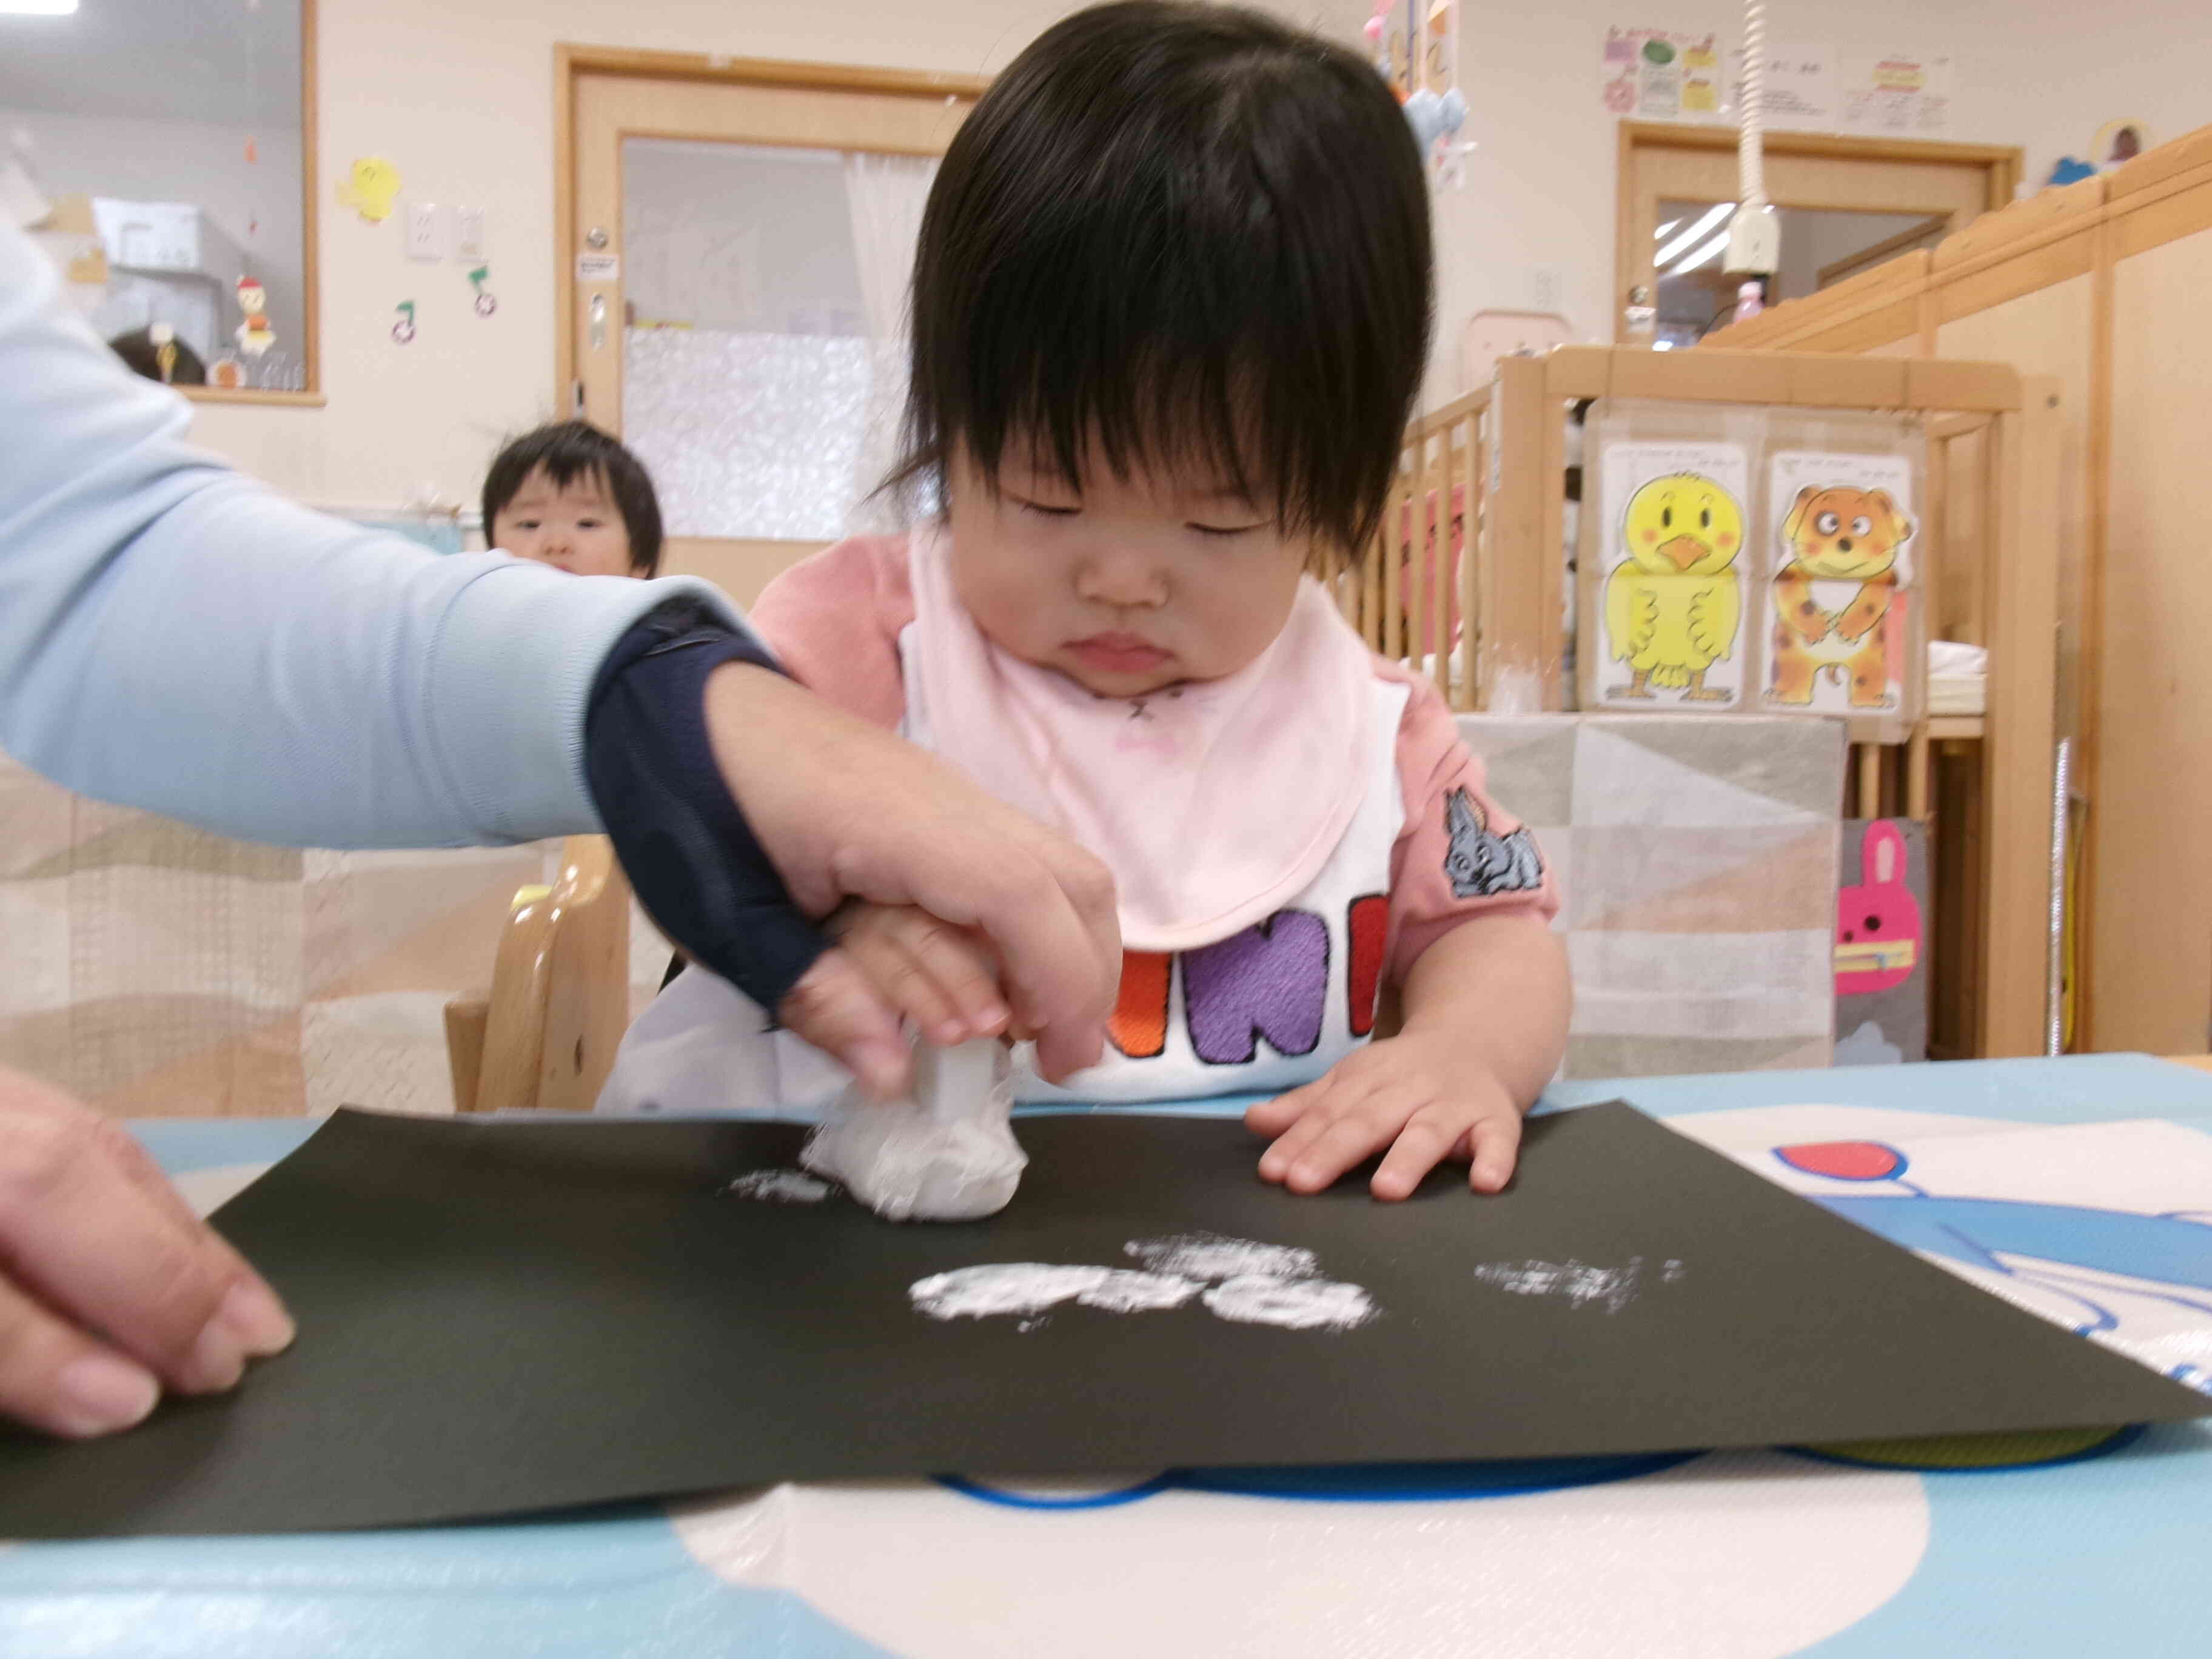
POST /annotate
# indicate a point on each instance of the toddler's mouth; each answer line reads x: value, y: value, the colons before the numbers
x: 1118, y: 653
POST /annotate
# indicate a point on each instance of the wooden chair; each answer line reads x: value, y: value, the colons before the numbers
x: 545, y: 1036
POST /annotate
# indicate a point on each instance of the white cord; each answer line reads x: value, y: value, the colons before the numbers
x: 1751, y: 119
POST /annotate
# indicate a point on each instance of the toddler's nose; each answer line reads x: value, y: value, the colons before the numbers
x: 1122, y: 579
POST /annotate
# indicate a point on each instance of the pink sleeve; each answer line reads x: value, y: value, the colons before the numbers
x: 835, y: 620
x: 1460, y: 853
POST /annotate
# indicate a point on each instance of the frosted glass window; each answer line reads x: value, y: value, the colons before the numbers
x: 764, y: 367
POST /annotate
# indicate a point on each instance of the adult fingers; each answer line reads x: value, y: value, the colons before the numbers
x: 836, y: 1008
x: 1427, y: 1139
x: 1496, y: 1145
x: 80, y: 1234
x: 55, y: 1377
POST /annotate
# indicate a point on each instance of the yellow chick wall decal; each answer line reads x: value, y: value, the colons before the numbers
x: 370, y: 188
x: 1672, y: 606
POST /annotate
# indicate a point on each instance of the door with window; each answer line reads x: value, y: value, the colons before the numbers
x: 1845, y: 205
x: 739, y: 238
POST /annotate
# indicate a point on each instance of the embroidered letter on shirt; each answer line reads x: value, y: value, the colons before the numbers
x: 1481, y: 862
x: 1367, y: 923
x: 1139, y: 1026
x: 1271, y: 981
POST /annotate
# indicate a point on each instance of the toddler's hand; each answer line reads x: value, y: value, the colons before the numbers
x: 940, y: 979
x: 1407, y: 1093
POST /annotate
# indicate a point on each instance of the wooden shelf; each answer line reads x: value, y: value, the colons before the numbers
x: 1957, y: 728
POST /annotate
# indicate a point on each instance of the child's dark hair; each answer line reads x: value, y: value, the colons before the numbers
x: 569, y: 450
x: 142, y: 356
x: 1179, y: 229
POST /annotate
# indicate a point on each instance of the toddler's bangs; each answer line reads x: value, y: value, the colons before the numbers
x: 1194, y: 236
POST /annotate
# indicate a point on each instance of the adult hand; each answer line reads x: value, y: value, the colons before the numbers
x: 111, y: 1289
x: 846, y: 810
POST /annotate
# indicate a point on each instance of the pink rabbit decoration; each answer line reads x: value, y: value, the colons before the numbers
x: 1877, y: 922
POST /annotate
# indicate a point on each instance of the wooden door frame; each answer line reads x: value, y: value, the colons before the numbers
x: 2001, y: 165
x: 572, y: 63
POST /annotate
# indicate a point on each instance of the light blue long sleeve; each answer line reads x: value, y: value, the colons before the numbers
x: 175, y: 637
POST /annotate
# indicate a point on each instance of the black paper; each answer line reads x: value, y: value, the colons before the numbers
x: 504, y: 1317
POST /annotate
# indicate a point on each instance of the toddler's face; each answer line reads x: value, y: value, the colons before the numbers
x: 1135, y: 585
x: 575, y: 527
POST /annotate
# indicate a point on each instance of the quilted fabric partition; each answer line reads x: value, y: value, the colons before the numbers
x: 1698, y: 862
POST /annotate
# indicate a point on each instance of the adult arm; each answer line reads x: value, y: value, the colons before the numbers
x: 175, y: 637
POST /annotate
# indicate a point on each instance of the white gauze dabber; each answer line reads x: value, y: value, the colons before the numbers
x: 945, y: 1152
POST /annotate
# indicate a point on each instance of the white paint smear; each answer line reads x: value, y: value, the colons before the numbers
x: 1029, y: 1287
x: 1576, y: 1282
x: 779, y: 1187
x: 1124, y: 1292
x: 1210, y: 1256
x: 1297, y: 1305
x: 1252, y: 1284
x: 1002, y: 1288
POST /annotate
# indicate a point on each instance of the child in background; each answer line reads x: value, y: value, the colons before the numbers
x: 1171, y: 307
x: 570, y: 497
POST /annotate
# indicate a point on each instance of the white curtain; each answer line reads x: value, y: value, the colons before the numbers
x: 885, y: 195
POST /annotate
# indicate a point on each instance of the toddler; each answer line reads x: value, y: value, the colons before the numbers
x: 1171, y: 306
x: 570, y: 497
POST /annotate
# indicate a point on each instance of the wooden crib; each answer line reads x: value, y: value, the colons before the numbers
x: 2101, y: 285
x: 1466, y: 579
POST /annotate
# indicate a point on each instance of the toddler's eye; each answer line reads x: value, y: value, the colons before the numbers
x: 1224, y: 530
x: 1046, y: 510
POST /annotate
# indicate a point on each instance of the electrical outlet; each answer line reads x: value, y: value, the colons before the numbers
x: 428, y: 232
x: 469, y: 236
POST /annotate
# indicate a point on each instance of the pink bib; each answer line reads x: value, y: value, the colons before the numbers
x: 1213, y: 802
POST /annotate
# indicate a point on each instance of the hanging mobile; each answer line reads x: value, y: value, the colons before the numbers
x: 485, y: 303
x: 404, y: 330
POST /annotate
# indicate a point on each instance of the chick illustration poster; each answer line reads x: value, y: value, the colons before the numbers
x: 1670, y: 616
x: 1838, y: 599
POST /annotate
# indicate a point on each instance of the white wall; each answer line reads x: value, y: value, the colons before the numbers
x: 459, y: 93
x: 2041, y: 73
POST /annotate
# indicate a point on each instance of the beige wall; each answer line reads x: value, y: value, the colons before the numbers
x: 459, y: 93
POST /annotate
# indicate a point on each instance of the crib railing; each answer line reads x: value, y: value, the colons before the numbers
x: 1464, y: 578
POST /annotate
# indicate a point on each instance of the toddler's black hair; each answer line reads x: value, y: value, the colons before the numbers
x: 143, y: 357
x: 569, y: 450
x: 1186, y: 232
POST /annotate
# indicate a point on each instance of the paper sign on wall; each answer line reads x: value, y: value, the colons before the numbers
x: 1842, y: 588
x: 1658, y: 74
x: 1801, y: 86
x: 1904, y: 93
x: 1670, y: 618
